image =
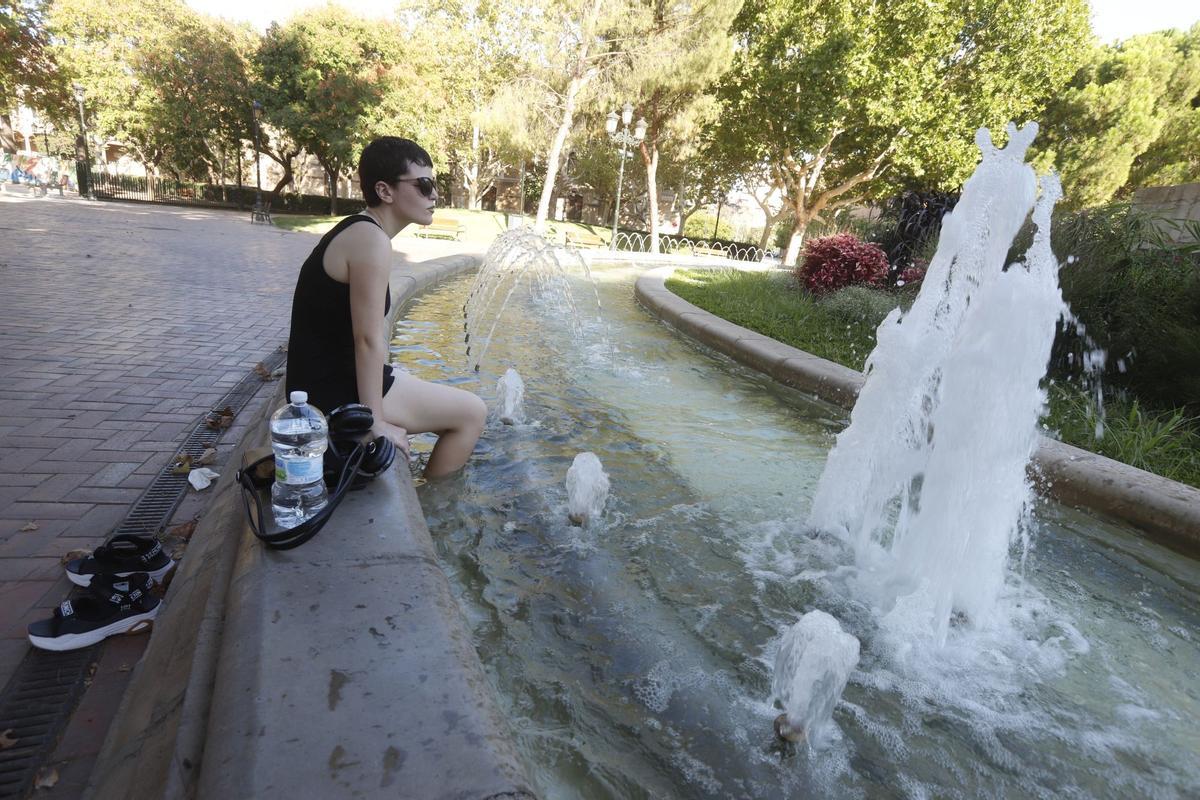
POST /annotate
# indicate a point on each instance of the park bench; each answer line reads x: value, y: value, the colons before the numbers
x: 441, y: 228
x: 584, y: 238
x: 262, y: 214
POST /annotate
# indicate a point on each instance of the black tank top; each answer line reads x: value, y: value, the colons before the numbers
x: 321, y: 343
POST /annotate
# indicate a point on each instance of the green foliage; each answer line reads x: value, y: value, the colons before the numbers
x: 1174, y: 157
x: 1138, y: 297
x: 701, y: 226
x: 166, y: 81
x: 1115, y: 109
x: 27, y: 61
x: 333, y: 81
x: 840, y: 327
x: 1166, y: 443
x: 850, y: 100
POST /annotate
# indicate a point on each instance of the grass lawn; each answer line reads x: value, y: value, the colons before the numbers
x: 479, y: 227
x: 841, y: 328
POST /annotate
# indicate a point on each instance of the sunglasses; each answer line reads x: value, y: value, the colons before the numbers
x: 425, y: 186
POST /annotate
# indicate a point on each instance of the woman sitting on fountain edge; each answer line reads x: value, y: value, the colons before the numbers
x: 337, y: 351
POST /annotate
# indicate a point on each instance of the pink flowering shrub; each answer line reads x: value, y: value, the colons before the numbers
x: 833, y: 262
x: 912, y: 275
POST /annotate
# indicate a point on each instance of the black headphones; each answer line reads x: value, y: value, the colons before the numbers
x: 351, y: 460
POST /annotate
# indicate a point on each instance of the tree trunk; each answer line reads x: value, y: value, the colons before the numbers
x: 287, y: 178
x: 552, y: 158
x: 765, y: 239
x: 582, y: 72
x: 797, y: 240
x: 331, y: 179
x: 471, y: 173
x: 652, y: 188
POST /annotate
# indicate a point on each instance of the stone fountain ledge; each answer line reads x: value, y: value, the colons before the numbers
x: 1166, y: 510
x: 341, y: 668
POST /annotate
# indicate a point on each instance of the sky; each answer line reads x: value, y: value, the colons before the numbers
x: 1112, y: 19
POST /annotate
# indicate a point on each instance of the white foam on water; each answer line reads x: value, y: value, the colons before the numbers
x: 510, y: 398
x: 813, y: 663
x: 587, y: 489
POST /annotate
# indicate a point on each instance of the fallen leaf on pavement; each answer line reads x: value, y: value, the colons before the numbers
x: 207, y: 457
x: 71, y: 555
x: 182, y: 531
x: 182, y: 464
x: 260, y: 369
x: 7, y: 740
x: 29, y: 526
x: 46, y: 778
x: 220, y: 419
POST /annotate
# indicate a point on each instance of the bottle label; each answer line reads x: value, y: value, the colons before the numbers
x: 298, y: 470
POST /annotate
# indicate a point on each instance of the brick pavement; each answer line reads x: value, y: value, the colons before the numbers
x: 120, y: 324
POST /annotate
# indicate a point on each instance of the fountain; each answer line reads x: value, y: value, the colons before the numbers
x: 928, y: 482
x: 510, y: 394
x: 587, y: 489
x: 814, y: 662
x: 645, y: 662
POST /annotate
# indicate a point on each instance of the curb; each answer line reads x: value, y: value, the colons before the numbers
x: 1166, y: 510
x: 340, y: 668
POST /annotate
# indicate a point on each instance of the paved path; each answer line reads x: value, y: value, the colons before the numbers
x: 120, y: 325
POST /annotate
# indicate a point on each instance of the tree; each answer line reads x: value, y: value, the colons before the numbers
x: 167, y: 82
x: 476, y: 44
x: 1113, y: 111
x: 332, y: 81
x: 28, y: 71
x: 1174, y: 157
x: 688, y: 47
x: 846, y: 100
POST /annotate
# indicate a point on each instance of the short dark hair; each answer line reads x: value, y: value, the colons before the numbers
x: 386, y: 159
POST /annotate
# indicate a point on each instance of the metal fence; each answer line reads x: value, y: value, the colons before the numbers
x: 158, y: 190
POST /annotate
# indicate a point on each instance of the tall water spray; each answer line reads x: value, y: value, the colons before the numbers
x: 929, y: 480
x: 518, y: 257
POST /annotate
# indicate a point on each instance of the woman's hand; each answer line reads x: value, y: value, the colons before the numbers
x: 395, y: 433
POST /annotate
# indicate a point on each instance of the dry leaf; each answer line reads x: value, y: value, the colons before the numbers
x: 29, y: 526
x: 209, y: 456
x: 260, y: 369
x: 46, y: 778
x: 7, y: 740
x: 183, y: 531
x: 182, y: 464
x: 220, y: 419
x: 71, y: 555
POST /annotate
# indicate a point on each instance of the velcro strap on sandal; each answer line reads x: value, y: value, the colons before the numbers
x: 149, y: 555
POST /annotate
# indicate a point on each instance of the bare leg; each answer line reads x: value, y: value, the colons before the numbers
x: 456, y: 416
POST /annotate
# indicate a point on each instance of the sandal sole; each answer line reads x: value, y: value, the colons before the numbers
x: 76, y: 641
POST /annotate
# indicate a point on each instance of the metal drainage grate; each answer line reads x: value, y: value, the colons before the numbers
x: 40, y: 697
x: 36, y: 705
x: 156, y: 505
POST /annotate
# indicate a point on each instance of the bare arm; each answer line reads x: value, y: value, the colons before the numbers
x: 369, y: 264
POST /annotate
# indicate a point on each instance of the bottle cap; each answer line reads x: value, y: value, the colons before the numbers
x: 298, y: 397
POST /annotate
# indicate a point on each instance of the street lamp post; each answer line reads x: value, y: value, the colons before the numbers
x: 625, y: 138
x: 258, y: 214
x: 83, y: 174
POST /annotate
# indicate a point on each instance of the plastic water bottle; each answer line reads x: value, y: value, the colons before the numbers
x: 299, y: 436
